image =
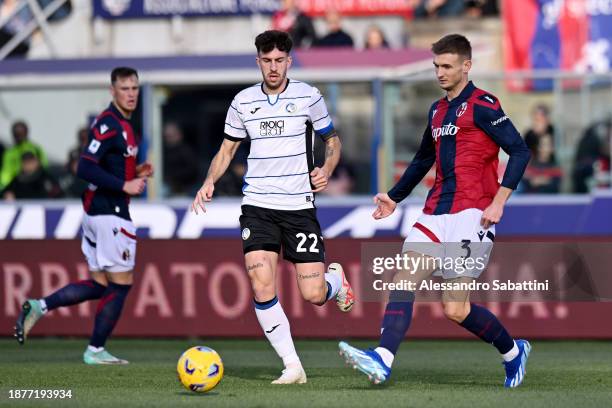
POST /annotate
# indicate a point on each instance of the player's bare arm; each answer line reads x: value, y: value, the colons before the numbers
x: 384, y: 206
x: 135, y: 186
x: 319, y: 177
x: 493, y: 213
x: 144, y: 170
x: 217, y: 168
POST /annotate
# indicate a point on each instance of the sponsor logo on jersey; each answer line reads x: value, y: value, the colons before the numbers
x: 291, y: 107
x: 447, y: 130
x: 131, y: 151
x: 271, y: 127
x: 255, y: 110
x: 433, y: 115
x: 124, y: 133
x: 94, y: 146
x: 103, y: 129
x: 461, y: 109
x: 246, y: 233
x: 500, y: 120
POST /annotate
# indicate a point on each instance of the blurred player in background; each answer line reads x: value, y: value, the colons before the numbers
x: 108, y: 164
x: 465, y: 131
x: 279, y: 115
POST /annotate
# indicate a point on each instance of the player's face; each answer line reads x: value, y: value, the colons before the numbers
x: 274, y: 66
x: 451, y: 70
x: 125, y: 93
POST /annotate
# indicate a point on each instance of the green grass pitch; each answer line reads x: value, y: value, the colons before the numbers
x: 426, y: 374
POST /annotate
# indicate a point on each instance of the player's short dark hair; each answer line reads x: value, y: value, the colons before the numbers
x: 122, y: 72
x: 453, y: 44
x: 268, y: 40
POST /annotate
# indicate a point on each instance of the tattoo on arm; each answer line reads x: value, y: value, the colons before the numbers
x: 329, y: 152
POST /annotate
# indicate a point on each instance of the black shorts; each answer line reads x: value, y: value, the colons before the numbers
x: 298, y: 232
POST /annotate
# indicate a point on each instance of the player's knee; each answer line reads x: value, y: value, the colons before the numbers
x: 316, y: 295
x: 455, y: 311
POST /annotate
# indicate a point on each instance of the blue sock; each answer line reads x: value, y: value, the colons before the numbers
x: 108, y: 312
x: 485, y: 325
x: 329, y: 291
x: 74, y: 293
x: 396, y: 322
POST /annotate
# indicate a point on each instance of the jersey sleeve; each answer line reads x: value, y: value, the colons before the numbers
x: 102, y: 137
x: 490, y: 117
x: 420, y: 165
x: 319, y: 116
x: 234, y: 125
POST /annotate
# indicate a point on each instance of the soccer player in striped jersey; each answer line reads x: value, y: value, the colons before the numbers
x: 108, y: 163
x: 281, y: 117
x: 465, y: 132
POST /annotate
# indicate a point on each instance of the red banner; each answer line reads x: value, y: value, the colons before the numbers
x: 200, y: 288
x: 357, y: 7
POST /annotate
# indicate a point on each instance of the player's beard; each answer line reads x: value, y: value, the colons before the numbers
x: 273, y: 87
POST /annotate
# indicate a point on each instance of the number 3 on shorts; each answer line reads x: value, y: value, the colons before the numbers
x: 303, y: 238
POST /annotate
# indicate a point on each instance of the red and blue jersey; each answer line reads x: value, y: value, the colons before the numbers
x: 108, y: 161
x: 463, y: 138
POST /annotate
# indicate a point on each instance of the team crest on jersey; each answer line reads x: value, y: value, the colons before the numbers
x: 246, y: 233
x: 291, y: 107
x: 461, y: 109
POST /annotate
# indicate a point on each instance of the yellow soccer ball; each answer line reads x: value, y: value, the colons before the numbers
x: 200, y: 369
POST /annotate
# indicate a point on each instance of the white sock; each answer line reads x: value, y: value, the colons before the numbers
x: 386, y: 355
x: 276, y: 327
x: 335, y: 282
x: 511, y: 355
x: 43, y: 305
x: 95, y: 349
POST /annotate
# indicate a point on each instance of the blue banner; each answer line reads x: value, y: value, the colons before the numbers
x: 537, y: 216
x: 136, y: 9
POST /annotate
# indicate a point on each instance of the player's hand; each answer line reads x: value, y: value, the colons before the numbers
x: 319, y: 179
x: 491, y: 215
x: 144, y: 170
x: 384, y: 206
x: 204, y: 195
x: 135, y: 186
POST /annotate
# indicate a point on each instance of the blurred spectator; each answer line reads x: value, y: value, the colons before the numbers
x: 335, y: 37
x: 72, y: 185
x: 233, y: 180
x: 540, y: 126
x: 1, y: 153
x: 341, y: 182
x: 82, y: 137
x: 375, y: 38
x: 543, y: 174
x: 592, y: 154
x: 481, y: 8
x: 14, y: 26
x: 291, y: 20
x: 437, y: 8
x: 32, y: 182
x: 181, y: 170
x: 11, y: 162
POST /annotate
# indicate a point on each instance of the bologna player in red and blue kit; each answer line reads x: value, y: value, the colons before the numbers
x: 464, y: 134
x: 108, y: 163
